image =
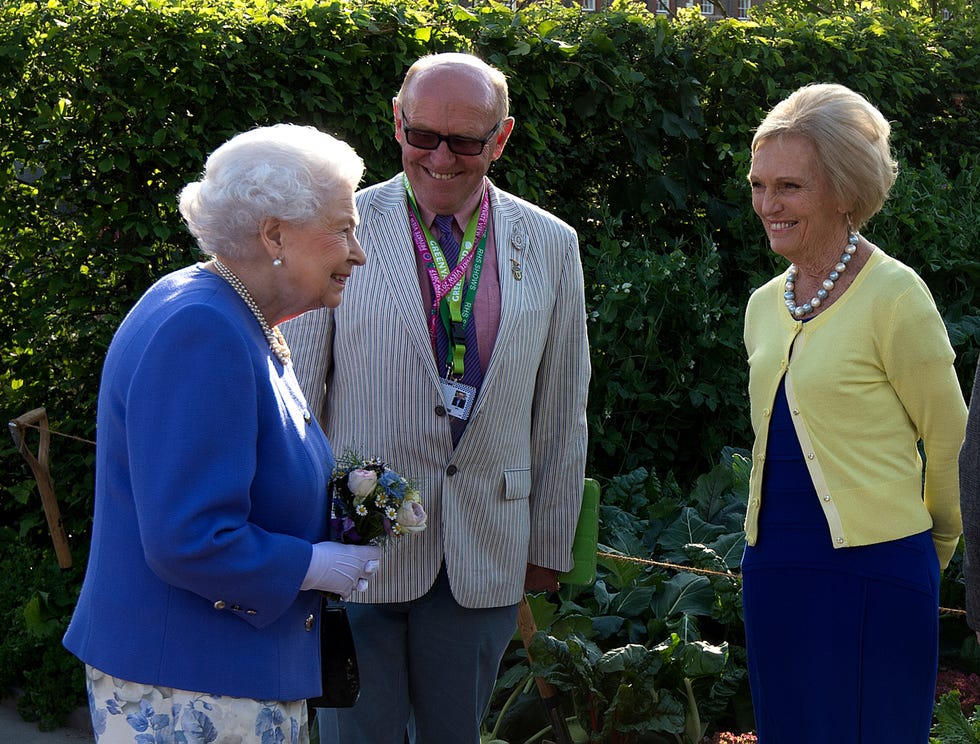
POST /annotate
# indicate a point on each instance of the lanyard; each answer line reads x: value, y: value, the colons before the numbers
x: 448, y: 302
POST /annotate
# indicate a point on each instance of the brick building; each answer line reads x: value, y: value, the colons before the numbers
x: 709, y: 8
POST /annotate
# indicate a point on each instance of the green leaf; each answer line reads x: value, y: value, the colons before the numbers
x: 685, y: 593
x: 700, y: 658
x: 688, y: 528
x: 951, y: 726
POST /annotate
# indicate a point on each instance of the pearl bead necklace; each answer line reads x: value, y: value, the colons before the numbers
x: 272, y: 335
x: 799, y: 311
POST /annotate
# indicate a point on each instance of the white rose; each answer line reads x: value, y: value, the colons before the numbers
x: 411, y: 516
x: 362, y: 482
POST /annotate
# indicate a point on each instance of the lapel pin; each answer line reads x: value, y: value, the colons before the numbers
x: 515, y: 269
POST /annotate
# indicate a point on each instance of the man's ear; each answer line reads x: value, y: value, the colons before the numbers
x: 500, y: 138
x: 399, y: 134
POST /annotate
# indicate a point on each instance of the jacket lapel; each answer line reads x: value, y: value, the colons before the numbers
x: 395, y: 254
x: 510, y: 233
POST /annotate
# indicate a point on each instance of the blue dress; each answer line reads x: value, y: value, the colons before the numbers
x: 842, y: 643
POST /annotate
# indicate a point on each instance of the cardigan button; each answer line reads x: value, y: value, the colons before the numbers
x: 440, y: 410
x: 452, y: 470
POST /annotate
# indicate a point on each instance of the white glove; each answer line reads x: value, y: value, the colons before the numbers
x: 340, y: 568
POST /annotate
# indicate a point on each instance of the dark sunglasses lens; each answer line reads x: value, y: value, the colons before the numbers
x: 465, y: 146
x: 422, y: 140
x: 430, y: 141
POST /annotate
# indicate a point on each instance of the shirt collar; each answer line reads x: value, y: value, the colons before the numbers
x: 464, y: 214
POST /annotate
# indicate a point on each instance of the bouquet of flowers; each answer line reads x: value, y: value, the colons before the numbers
x: 372, y: 503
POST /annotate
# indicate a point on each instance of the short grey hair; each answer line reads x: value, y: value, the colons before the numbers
x: 851, y: 138
x: 284, y: 171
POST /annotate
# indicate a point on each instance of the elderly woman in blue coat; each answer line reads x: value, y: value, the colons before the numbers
x: 198, y: 617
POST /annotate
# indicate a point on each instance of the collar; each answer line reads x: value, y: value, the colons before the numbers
x: 463, y: 216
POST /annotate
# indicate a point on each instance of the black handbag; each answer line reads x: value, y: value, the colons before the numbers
x: 338, y: 660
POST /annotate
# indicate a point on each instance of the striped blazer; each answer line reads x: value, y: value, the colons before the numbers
x: 510, y: 492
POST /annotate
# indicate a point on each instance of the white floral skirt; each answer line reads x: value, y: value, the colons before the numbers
x: 144, y: 714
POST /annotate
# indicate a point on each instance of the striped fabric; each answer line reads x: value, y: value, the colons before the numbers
x: 510, y: 492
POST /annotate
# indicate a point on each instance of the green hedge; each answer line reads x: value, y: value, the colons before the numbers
x: 634, y: 128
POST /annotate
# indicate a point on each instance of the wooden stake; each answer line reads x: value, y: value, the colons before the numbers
x: 42, y: 474
x: 547, y: 691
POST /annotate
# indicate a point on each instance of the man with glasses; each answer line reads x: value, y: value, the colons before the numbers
x: 459, y: 356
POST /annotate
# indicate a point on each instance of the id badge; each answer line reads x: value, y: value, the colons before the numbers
x: 459, y: 398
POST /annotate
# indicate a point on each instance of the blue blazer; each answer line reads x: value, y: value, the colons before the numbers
x: 210, y: 489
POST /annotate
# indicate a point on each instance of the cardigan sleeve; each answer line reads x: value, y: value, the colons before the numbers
x: 969, y: 468
x: 919, y: 363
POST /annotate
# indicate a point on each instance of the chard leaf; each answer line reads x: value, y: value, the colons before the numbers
x: 684, y: 593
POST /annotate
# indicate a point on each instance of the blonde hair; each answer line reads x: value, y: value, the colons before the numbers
x: 851, y: 138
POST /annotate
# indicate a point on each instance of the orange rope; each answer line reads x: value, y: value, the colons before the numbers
x: 709, y: 572
x: 14, y: 424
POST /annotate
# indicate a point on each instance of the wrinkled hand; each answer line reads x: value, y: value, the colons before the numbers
x: 540, y: 579
x: 341, y: 569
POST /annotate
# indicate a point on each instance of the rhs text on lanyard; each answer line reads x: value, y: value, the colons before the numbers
x: 448, y: 301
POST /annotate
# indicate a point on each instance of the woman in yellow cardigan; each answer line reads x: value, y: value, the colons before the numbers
x: 850, y: 372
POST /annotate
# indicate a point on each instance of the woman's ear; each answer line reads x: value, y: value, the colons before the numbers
x: 270, y: 233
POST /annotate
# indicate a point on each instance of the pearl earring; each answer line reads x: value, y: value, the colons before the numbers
x: 277, y: 262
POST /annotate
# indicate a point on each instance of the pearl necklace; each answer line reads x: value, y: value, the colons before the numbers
x: 828, y: 284
x: 272, y: 335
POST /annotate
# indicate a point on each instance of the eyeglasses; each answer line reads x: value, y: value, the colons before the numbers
x: 424, y: 140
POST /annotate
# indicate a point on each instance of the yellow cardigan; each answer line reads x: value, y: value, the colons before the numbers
x: 866, y: 379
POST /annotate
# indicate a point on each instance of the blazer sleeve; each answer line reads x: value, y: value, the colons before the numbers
x: 559, y: 435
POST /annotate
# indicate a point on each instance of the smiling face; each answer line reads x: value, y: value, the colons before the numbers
x: 803, y: 218
x: 320, y: 255
x: 449, y: 100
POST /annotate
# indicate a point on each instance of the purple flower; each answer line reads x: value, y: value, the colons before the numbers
x: 411, y: 517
